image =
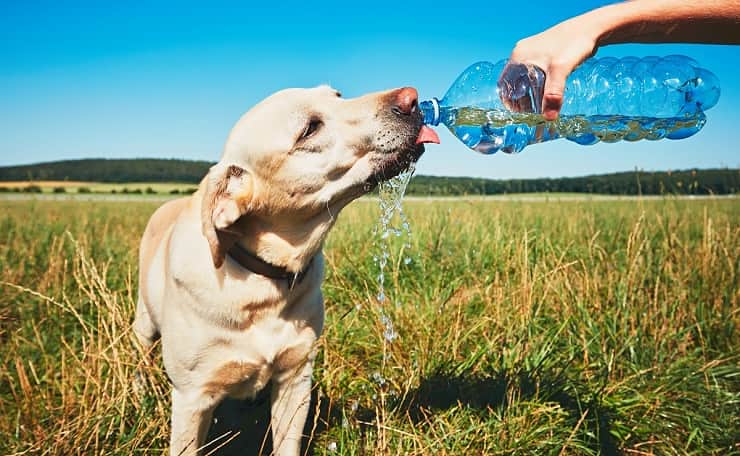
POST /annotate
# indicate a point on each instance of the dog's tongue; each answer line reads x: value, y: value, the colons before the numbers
x: 427, y: 135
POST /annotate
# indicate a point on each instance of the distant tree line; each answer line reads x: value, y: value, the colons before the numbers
x: 103, y: 170
x: 688, y: 182
x: 685, y: 182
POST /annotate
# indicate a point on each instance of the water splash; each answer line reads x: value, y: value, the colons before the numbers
x: 390, y: 200
x: 389, y: 333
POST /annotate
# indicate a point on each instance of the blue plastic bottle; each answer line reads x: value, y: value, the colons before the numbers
x: 605, y: 99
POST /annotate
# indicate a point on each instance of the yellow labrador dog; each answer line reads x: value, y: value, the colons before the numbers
x: 230, y: 277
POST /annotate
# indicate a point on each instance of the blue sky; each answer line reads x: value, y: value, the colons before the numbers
x: 134, y: 79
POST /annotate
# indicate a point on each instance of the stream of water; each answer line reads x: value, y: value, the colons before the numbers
x: 392, y: 224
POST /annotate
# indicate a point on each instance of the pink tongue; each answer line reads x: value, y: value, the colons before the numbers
x: 427, y: 135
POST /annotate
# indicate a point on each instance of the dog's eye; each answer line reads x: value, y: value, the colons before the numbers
x: 313, y: 126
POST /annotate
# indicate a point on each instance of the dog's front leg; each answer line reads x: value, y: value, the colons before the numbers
x: 191, y: 415
x: 291, y: 395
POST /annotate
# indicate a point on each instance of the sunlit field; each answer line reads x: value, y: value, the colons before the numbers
x: 528, y: 328
x: 75, y: 187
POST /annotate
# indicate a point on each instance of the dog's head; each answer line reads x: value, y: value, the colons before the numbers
x: 301, y: 155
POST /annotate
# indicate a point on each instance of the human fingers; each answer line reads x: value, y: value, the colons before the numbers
x: 552, y: 98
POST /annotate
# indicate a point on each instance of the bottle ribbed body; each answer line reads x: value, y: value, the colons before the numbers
x: 605, y: 99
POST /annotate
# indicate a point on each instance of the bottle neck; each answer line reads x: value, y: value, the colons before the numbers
x: 431, y: 111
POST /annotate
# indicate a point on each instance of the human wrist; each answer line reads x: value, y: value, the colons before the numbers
x: 596, y: 26
x: 604, y: 24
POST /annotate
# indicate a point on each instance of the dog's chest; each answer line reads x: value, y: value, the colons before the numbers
x: 244, y: 362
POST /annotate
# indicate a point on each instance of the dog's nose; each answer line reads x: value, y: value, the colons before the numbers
x: 406, y: 102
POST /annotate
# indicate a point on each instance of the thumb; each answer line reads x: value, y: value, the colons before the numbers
x: 552, y: 99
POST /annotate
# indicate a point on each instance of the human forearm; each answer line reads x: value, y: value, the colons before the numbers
x: 665, y: 21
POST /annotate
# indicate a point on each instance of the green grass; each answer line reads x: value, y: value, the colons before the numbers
x: 573, y: 328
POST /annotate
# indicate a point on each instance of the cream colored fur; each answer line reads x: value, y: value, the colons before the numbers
x: 289, y: 166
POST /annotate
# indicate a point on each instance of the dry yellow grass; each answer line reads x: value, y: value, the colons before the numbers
x: 574, y: 328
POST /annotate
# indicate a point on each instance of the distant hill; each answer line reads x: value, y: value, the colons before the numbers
x: 696, y: 182
x: 104, y: 170
x: 687, y: 182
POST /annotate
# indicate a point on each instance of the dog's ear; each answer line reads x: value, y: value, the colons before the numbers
x: 227, y: 197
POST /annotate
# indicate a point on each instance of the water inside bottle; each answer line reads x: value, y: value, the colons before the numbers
x: 488, y: 131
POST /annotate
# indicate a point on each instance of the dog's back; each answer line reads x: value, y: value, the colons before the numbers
x: 159, y: 227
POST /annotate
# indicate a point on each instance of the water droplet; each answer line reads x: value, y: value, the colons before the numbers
x: 389, y: 333
x: 377, y: 378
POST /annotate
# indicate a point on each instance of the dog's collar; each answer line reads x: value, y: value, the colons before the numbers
x: 257, y: 265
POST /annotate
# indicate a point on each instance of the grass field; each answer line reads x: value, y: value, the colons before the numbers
x: 99, y: 187
x: 527, y: 328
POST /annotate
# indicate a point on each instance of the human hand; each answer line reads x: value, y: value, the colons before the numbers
x: 557, y: 51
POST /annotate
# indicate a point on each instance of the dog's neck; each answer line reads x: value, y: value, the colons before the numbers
x: 286, y: 246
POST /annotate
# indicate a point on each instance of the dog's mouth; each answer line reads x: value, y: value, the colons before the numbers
x: 390, y: 164
x: 401, y: 142
x: 396, y: 145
